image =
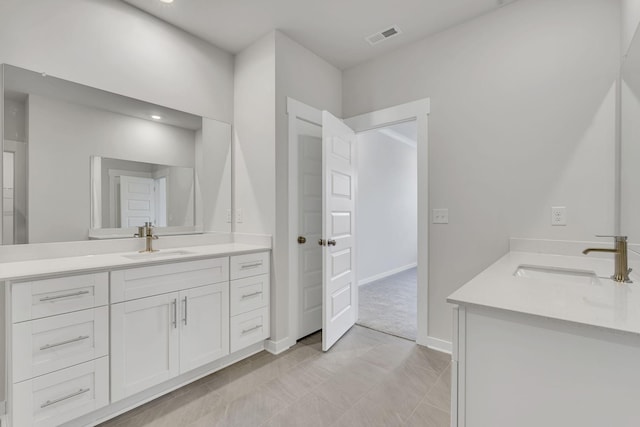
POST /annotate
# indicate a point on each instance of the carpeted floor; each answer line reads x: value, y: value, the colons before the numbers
x: 390, y: 305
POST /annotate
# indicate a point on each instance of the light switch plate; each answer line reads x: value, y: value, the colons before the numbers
x: 239, y: 216
x: 440, y: 216
x: 558, y: 215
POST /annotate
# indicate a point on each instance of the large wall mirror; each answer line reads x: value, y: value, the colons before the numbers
x: 81, y: 163
x: 630, y: 143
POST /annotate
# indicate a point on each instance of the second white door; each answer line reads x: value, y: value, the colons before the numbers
x: 339, y: 284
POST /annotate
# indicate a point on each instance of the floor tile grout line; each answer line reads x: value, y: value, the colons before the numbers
x: 416, y: 408
x: 434, y: 384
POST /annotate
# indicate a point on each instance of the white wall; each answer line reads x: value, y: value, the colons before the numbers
x: 63, y: 137
x: 522, y: 119
x: 112, y: 46
x: 254, y: 137
x: 386, y: 206
x: 630, y: 20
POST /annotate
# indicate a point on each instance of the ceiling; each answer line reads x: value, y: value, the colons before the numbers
x: 333, y: 29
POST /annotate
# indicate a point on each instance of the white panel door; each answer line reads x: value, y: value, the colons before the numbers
x: 144, y: 343
x: 137, y: 201
x: 339, y: 287
x: 204, y: 334
x: 310, y: 227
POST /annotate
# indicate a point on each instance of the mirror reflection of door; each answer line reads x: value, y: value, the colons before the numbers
x: 137, y: 201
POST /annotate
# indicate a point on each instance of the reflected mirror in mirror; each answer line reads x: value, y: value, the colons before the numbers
x: 55, y: 130
x: 129, y: 194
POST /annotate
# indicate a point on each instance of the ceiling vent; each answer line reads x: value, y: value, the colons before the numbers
x: 383, y: 35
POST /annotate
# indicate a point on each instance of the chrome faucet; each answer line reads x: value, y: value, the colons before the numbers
x: 622, y: 270
x: 146, y: 231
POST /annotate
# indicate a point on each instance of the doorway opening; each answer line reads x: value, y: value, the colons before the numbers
x: 387, y: 240
x: 315, y: 219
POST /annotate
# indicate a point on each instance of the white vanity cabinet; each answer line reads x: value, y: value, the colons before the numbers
x: 59, y: 349
x: 156, y: 338
x: 83, y: 347
x: 514, y: 369
x: 250, y: 295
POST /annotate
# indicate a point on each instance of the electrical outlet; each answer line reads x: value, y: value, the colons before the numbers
x: 239, y: 216
x: 441, y: 216
x: 229, y: 215
x: 558, y: 215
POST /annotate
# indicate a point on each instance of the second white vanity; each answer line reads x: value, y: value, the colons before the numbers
x: 94, y: 336
x: 546, y: 340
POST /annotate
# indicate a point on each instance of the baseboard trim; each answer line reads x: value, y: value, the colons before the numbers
x: 387, y: 274
x: 439, y: 345
x: 277, y: 347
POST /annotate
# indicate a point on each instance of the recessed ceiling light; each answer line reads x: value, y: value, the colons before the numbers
x: 156, y: 117
x: 166, y: 1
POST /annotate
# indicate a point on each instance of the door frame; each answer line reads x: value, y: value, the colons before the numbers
x: 419, y: 111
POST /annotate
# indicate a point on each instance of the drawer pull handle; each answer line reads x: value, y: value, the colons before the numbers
x: 53, y: 402
x: 246, y: 331
x: 174, y: 321
x: 253, y: 294
x: 48, y: 346
x: 254, y: 265
x: 75, y: 294
x: 185, y: 311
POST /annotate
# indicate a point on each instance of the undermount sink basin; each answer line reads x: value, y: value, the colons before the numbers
x: 557, y: 274
x: 153, y: 255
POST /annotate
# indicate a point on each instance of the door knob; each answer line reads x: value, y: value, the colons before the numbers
x: 321, y: 242
x: 331, y: 242
x: 302, y: 240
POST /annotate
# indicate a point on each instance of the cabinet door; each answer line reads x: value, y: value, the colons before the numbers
x: 204, y: 319
x: 144, y: 343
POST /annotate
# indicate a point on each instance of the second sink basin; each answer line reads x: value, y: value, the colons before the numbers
x: 159, y: 254
x: 557, y: 274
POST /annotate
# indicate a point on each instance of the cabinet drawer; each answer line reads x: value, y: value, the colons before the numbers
x: 49, y: 297
x: 56, y: 398
x: 160, y: 279
x: 46, y: 345
x: 249, y: 294
x: 249, y: 265
x: 249, y: 328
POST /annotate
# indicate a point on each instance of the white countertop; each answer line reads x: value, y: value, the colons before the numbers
x: 25, y: 270
x: 605, y: 304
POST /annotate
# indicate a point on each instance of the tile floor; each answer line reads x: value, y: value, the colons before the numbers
x: 367, y: 379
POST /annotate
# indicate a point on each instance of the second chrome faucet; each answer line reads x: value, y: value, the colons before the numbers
x: 622, y: 269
